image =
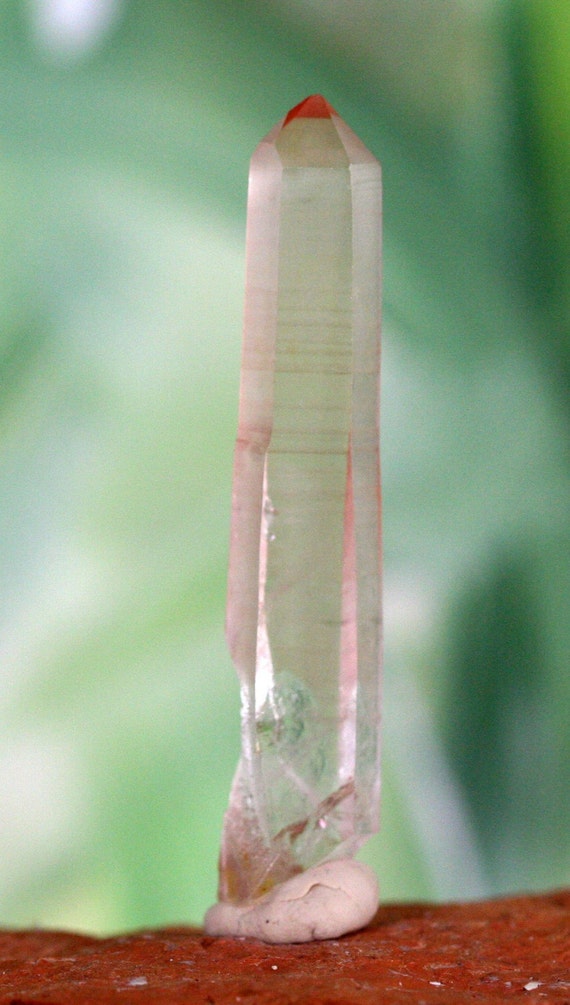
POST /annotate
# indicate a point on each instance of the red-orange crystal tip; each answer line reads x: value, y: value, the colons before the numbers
x: 313, y: 107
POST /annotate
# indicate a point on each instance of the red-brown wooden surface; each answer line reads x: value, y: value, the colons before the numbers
x: 512, y: 949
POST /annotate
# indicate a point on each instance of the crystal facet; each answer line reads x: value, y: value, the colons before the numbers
x: 304, y: 601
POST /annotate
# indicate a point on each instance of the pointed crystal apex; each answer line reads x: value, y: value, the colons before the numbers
x: 313, y: 107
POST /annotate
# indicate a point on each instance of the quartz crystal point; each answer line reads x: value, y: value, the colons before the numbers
x: 304, y: 602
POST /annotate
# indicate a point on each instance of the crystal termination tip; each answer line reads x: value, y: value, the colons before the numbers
x: 313, y: 107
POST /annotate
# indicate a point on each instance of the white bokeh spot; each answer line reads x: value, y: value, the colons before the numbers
x: 70, y: 28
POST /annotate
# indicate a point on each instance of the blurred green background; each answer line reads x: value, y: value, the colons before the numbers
x: 125, y: 134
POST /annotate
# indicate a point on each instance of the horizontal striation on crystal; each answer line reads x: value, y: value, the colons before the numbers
x: 304, y: 593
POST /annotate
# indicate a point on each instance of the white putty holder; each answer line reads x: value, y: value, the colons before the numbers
x: 325, y: 902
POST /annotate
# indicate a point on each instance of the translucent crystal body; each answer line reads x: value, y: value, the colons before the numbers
x: 303, y: 617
